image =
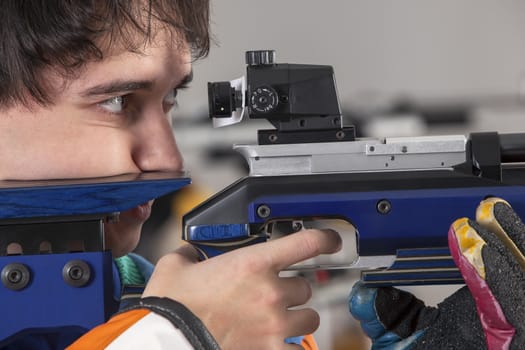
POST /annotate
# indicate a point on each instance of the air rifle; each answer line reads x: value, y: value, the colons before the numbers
x: 394, y: 198
x: 56, y: 273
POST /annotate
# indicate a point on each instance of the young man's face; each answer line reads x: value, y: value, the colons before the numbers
x: 112, y: 119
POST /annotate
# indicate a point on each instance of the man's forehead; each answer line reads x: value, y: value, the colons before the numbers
x: 156, y: 62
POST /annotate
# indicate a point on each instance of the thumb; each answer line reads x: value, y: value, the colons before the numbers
x: 387, y: 315
x: 186, y: 254
x: 362, y: 306
x: 166, y: 270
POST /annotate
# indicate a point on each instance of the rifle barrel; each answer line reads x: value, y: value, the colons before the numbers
x: 512, y: 148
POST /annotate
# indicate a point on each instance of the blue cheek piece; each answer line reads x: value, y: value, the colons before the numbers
x: 361, y: 304
x: 117, y: 286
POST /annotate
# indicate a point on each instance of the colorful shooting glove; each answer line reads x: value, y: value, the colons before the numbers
x: 490, y: 255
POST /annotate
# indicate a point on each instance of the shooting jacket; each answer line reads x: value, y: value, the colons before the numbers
x: 149, y: 323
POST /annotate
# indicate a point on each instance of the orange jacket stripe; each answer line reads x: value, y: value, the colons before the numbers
x: 101, y: 336
x: 309, y: 343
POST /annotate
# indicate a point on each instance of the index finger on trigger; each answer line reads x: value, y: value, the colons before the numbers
x: 300, y: 246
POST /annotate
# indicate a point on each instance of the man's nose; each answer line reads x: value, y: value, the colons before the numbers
x: 154, y: 147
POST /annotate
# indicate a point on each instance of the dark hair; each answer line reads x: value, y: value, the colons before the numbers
x: 36, y: 35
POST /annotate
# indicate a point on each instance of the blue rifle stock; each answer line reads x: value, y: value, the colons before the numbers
x: 62, y: 276
x: 400, y: 194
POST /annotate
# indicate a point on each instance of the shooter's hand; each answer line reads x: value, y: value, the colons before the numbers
x: 489, y: 253
x: 240, y: 296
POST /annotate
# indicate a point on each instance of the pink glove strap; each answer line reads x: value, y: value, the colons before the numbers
x: 498, y: 331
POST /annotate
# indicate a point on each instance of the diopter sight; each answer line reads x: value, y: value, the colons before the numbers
x: 299, y: 100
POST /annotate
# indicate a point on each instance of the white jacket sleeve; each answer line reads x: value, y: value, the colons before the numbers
x: 151, y: 332
x: 153, y: 324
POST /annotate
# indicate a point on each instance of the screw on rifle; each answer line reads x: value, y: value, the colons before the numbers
x: 273, y: 138
x: 340, y: 135
x: 263, y: 211
x: 383, y: 206
x: 297, y: 226
x: 76, y: 273
x: 15, y: 276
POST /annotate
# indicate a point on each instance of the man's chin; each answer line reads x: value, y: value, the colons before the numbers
x: 122, y: 237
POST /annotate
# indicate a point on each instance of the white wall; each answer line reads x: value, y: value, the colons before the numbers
x: 380, y: 49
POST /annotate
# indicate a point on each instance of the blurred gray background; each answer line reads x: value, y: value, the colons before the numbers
x: 405, y: 67
x: 380, y: 49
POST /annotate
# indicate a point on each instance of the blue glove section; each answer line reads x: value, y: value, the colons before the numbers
x: 361, y: 304
x: 294, y: 340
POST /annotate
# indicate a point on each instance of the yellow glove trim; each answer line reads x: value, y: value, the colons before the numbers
x: 470, y: 244
x: 485, y: 217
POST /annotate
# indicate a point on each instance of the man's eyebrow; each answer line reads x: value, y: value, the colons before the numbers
x: 117, y: 86
x: 188, y: 78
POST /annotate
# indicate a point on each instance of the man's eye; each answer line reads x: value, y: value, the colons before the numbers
x: 114, y: 104
x: 171, y: 98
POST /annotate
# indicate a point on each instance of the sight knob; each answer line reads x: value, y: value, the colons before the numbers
x: 260, y: 57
